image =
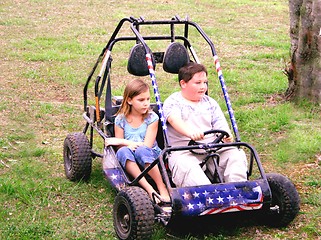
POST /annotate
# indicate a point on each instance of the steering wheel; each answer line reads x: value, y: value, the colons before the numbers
x: 220, y: 135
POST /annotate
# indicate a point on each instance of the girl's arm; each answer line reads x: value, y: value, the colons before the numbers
x: 119, y: 132
x: 151, y: 133
x: 119, y: 140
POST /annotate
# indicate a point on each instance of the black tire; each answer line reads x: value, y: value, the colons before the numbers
x: 285, y: 203
x: 133, y: 214
x: 77, y: 157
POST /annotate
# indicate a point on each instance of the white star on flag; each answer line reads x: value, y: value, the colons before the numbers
x: 200, y: 205
x: 219, y: 199
x: 196, y: 195
x: 114, y: 177
x: 205, y: 193
x: 230, y: 198
x: 190, y: 206
x: 210, y: 200
x: 185, y: 195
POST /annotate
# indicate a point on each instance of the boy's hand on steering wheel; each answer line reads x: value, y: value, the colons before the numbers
x: 228, y: 139
x: 197, y: 136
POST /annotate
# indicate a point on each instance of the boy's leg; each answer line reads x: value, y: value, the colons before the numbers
x: 233, y: 165
x: 186, y: 170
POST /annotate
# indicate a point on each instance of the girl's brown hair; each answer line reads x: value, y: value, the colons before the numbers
x: 132, y: 89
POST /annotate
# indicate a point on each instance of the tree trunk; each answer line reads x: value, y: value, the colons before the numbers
x: 304, y: 71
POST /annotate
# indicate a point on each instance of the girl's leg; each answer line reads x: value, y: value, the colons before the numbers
x: 127, y: 159
x: 133, y: 169
x: 156, y: 176
x: 145, y: 156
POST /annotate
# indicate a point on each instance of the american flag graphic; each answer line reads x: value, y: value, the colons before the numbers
x: 115, y: 177
x: 207, y: 199
x: 221, y: 198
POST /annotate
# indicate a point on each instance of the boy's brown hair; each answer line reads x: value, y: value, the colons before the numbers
x: 187, y: 72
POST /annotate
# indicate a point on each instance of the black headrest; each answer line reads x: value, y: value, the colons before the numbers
x: 137, y: 64
x: 175, y: 57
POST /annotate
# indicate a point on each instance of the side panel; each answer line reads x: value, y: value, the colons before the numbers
x: 221, y: 198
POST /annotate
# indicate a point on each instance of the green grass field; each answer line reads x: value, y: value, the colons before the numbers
x: 47, y: 51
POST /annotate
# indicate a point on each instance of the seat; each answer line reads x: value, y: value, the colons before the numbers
x: 175, y: 57
x: 137, y: 64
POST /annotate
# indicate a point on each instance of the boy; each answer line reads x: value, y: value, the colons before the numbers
x: 190, y: 113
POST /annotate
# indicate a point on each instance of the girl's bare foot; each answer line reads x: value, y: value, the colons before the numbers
x: 165, y: 195
x: 162, y: 197
x: 154, y: 198
x: 166, y: 198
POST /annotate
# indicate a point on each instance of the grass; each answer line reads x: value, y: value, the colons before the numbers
x: 47, y: 51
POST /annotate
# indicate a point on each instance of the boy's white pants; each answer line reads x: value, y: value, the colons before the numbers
x: 186, y: 170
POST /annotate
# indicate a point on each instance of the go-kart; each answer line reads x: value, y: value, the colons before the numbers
x: 273, y: 196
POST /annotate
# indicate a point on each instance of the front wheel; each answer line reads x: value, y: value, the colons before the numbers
x: 133, y: 214
x: 77, y: 157
x: 285, y: 204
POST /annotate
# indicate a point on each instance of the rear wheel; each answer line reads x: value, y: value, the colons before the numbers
x: 133, y: 214
x: 77, y: 157
x: 285, y: 204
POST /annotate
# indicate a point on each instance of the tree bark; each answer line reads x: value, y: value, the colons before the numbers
x: 304, y: 71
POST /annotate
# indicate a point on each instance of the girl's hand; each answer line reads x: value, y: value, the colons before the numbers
x: 114, y: 141
x: 134, y: 145
x: 122, y: 142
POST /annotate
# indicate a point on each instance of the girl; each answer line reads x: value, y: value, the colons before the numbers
x: 135, y: 133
